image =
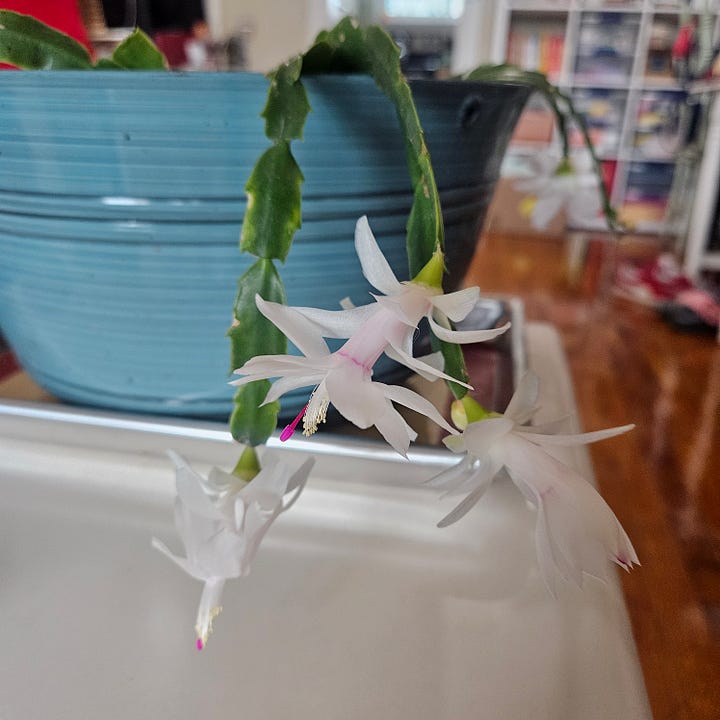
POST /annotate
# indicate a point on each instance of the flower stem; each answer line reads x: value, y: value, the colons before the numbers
x: 248, y: 466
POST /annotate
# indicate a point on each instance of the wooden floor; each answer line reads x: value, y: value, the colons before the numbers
x: 663, y: 479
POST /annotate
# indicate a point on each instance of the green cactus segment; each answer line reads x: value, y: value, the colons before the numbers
x: 287, y: 105
x: 253, y: 334
x: 272, y: 215
x: 137, y: 52
x: 252, y: 423
x: 455, y: 367
x: 32, y: 45
x: 349, y: 48
x: 252, y: 329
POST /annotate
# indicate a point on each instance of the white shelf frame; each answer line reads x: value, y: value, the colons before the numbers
x: 637, y: 83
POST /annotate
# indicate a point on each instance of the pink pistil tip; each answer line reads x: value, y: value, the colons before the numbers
x: 286, y: 434
x: 199, y: 644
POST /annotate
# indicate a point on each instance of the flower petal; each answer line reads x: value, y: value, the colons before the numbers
x: 454, y: 475
x: 465, y: 336
x: 548, y: 205
x: 457, y: 305
x: 286, y: 384
x: 397, y: 433
x: 298, y: 329
x: 481, y: 436
x: 434, y: 361
x: 575, y: 439
x: 262, y: 367
x: 523, y: 403
x: 359, y: 401
x: 375, y: 267
x: 583, y: 534
x: 467, y: 504
x: 410, y: 399
x: 189, y: 486
x: 297, y: 482
x: 422, y: 368
x: 338, y: 323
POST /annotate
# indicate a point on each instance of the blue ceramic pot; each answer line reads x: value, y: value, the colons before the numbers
x: 122, y: 197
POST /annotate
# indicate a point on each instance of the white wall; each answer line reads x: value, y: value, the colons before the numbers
x: 279, y: 29
x: 472, y: 40
x: 283, y: 28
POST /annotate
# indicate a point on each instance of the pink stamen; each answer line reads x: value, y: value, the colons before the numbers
x: 286, y: 434
x: 199, y: 644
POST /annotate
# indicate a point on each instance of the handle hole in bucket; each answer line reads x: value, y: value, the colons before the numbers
x: 470, y: 111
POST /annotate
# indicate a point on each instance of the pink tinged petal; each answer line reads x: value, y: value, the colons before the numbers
x: 523, y: 403
x: 410, y: 399
x: 338, y: 323
x: 422, y: 368
x: 357, y: 399
x: 396, y: 432
x: 298, y: 329
x: 374, y: 265
x: 370, y: 340
x: 575, y: 439
x: 584, y: 533
x: 457, y: 305
x: 463, y: 337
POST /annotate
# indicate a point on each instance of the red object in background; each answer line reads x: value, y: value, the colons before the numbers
x: 63, y: 15
x: 8, y: 364
x: 171, y: 44
x: 607, y: 170
x: 684, y: 41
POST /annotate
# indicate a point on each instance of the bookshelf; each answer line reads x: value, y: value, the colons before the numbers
x: 614, y: 58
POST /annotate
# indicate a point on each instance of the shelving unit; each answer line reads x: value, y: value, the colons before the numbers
x: 616, y: 64
x: 702, y: 249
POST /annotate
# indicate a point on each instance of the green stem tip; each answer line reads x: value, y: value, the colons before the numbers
x: 467, y: 410
x: 248, y: 466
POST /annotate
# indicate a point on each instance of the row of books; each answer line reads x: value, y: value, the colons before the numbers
x: 658, y: 128
x: 539, y: 50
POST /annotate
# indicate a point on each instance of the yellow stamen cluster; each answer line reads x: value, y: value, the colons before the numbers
x: 316, y: 412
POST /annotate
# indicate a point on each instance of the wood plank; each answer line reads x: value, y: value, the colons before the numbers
x: 663, y: 479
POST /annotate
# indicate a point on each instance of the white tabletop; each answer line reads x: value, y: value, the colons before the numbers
x: 357, y: 605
